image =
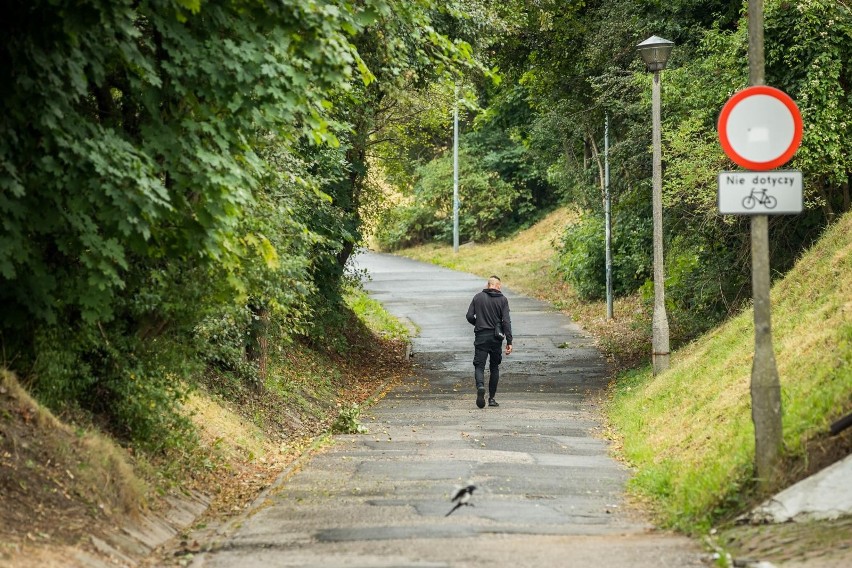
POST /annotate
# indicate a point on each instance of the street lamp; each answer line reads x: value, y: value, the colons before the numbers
x: 655, y: 53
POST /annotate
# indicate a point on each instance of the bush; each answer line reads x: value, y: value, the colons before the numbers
x: 349, y: 421
x: 704, y: 284
x: 223, y: 340
x: 405, y: 226
x: 487, y: 204
x: 132, y: 387
x: 499, y: 190
x: 582, y: 255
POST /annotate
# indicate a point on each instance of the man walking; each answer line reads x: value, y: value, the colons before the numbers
x: 489, y: 314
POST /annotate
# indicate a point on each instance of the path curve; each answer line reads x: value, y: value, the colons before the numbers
x: 548, y: 492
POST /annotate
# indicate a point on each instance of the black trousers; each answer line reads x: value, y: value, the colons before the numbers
x: 487, y: 348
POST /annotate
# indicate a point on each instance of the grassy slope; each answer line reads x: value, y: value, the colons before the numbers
x: 58, y: 484
x: 689, y: 431
x: 523, y: 262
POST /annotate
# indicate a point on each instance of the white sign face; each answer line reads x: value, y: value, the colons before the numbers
x: 760, y: 193
x: 760, y: 128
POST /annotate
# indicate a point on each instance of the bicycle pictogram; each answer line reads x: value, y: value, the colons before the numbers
x: 755, y: 197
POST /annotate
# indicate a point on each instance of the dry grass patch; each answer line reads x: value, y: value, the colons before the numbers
x: 58, y: 485
x: 523, y: 262
x: 238, y: 458
x: 224, y: 431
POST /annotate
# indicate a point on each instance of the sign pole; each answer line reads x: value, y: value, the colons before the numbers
x: 765, y: 385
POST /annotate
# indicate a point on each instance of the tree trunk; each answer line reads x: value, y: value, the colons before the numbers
x: 597, y: 158
x: 257, y: 350
x: 827, y: 208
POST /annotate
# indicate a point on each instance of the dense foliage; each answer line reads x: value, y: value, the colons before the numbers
x: 497, y: 186
x: 181, y: 184
x: 567, y: 65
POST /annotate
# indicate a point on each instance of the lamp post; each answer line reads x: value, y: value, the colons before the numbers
x: 607, y: 221
x: 456, y: 169
x: 655, y: 53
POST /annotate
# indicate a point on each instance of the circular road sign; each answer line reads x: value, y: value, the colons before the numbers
x: 760, y: 128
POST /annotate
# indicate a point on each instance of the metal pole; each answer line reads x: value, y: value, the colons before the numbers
x: 608, y: 221
x: 660, y: 323
x: 456, y: 170
x: 765, y: 385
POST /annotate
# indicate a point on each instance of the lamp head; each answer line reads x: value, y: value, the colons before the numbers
x: 655, y: 52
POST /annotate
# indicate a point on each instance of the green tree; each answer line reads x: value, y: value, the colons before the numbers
x: 179, y: 180
x: 134, y: 138
x: 571, y: 63
x: 406, y: 51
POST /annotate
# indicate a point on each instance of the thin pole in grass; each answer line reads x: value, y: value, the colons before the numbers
x: 456, y: 169
x: 607, y: 221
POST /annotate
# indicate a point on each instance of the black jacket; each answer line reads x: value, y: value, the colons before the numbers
x: 485, y: 312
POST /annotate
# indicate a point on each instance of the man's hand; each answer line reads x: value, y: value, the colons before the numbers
x: 508, y: 350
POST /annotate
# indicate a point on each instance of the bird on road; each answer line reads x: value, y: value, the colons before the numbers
x: 462, y: 497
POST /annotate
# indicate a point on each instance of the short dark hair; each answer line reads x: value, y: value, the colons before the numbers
x: 495, y: 276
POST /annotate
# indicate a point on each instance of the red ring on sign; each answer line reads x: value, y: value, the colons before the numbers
x: 723, y: 131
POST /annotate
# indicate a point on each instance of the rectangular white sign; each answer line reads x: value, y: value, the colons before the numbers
x: 760, y: 193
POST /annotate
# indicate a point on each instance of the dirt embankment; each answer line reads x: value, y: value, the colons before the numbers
x: 71, y: 495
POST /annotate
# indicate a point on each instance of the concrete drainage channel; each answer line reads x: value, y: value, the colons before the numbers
x: 130, y: 543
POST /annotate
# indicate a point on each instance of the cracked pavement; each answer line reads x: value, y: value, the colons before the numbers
x: 548, y: 491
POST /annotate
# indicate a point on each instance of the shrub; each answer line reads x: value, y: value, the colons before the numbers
x: 582, y: 254
x: 130, y: 386
x: 498, y: 185
x: 348, y: 421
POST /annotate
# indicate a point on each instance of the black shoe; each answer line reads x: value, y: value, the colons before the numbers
x: 480, y: 397
x: 492, y: 402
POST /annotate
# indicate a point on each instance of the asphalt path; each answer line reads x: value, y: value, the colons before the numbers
x: 548, y: 491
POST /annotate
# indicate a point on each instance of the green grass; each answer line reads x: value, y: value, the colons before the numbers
x: 689, y: 432
x: 376, y: 318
